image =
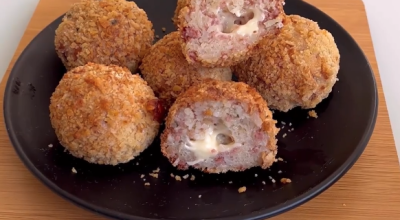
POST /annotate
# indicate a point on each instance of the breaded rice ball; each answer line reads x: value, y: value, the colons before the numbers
x: 221, y: 33
x: 107, y: 32
x: 217, y: 127
x: 298, y: 67
x: 169, y: 74
x: 104, y: 114
x: 179, y: 5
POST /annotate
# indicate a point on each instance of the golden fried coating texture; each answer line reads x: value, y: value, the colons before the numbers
x: 223, y: 92
x: 104, y: 114
x: 179, y: 5
x: 107, y: 32
x: 169, y: 74
x: 298, y: 67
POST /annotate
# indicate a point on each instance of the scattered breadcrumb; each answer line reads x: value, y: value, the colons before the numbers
x: 337, y: 79
x: 282, y: 127
x: 285, y: 180
x: 284, y: 135
x: 144, y: 180
x: 230, y: 182
x: 192, y: 178
x: 74, y: 170
x: 142, y: 176
x: 155, y: 175
x: 50, y: 145
x: 178, y: 178
x: 280, y: 171
x: 280, y: 159
x: 273, y: 180
x: 282, y: 122
x: 158, y: 37
x: 270, y: 177
x: 290, y: 124
x: 256, y: 175
x: 199, y: 196
x: 263, y: 182
x: 242, y: 189
x: 163, y: 29
x: 313, y: 114
x: 147, y: 184
x: 172, y: 175
x: 185, y: 176
x: 137, y: 163
x: 276, y: 160
x: 156, y: 170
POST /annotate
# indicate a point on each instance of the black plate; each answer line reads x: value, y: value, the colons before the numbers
x: 317, y: 153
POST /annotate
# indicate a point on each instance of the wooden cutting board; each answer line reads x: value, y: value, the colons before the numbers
x: 370, y: 190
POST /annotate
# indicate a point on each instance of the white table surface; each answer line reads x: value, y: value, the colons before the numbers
x: 382, y: 18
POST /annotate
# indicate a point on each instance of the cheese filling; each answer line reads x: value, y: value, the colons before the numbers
x: 217, y: 139
x: 241, y: 23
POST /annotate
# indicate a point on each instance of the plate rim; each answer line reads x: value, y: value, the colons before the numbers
x: 255, y: 215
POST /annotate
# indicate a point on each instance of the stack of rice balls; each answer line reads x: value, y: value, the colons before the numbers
x: 104, y: 112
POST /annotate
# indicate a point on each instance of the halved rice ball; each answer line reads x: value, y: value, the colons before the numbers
x: 218, y: 126
x: 223, y: 32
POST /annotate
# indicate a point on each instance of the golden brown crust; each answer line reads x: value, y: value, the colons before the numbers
x: 104, y: 114
x: 169, y: 74
x: 214, y: 90
x: 297, y: 67
x: 179, y: 5
x: 108, y: 32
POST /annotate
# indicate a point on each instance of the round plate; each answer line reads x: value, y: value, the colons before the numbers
x: 316, y: 153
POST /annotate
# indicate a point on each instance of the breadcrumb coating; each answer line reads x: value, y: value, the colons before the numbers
x: 107, y: 32
x: 179, y: 5
x: 208, y: 91
x: 169, y: 74
x: 297, y: 67
x: 104, y: 114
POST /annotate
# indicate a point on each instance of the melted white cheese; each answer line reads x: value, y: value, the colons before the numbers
x: 252, y: 25
x: 209, y: 146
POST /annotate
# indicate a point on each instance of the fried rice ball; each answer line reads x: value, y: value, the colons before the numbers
x: 169, y: 74
x: 179, y: 5
x: 221, y: 33
x: 107, y: 32
x: 104, y: 114
x: 218, y: 126
x: 298, y: 67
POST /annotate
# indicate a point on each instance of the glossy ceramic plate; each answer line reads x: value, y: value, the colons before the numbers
x: 316, y: 153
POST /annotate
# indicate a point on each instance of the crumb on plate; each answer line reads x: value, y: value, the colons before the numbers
x: 286, y: 180
x: 155, y: 175
x: 242, y: 189
x: 313, y: 114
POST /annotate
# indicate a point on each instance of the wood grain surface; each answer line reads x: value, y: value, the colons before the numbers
x: 370, y: 190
